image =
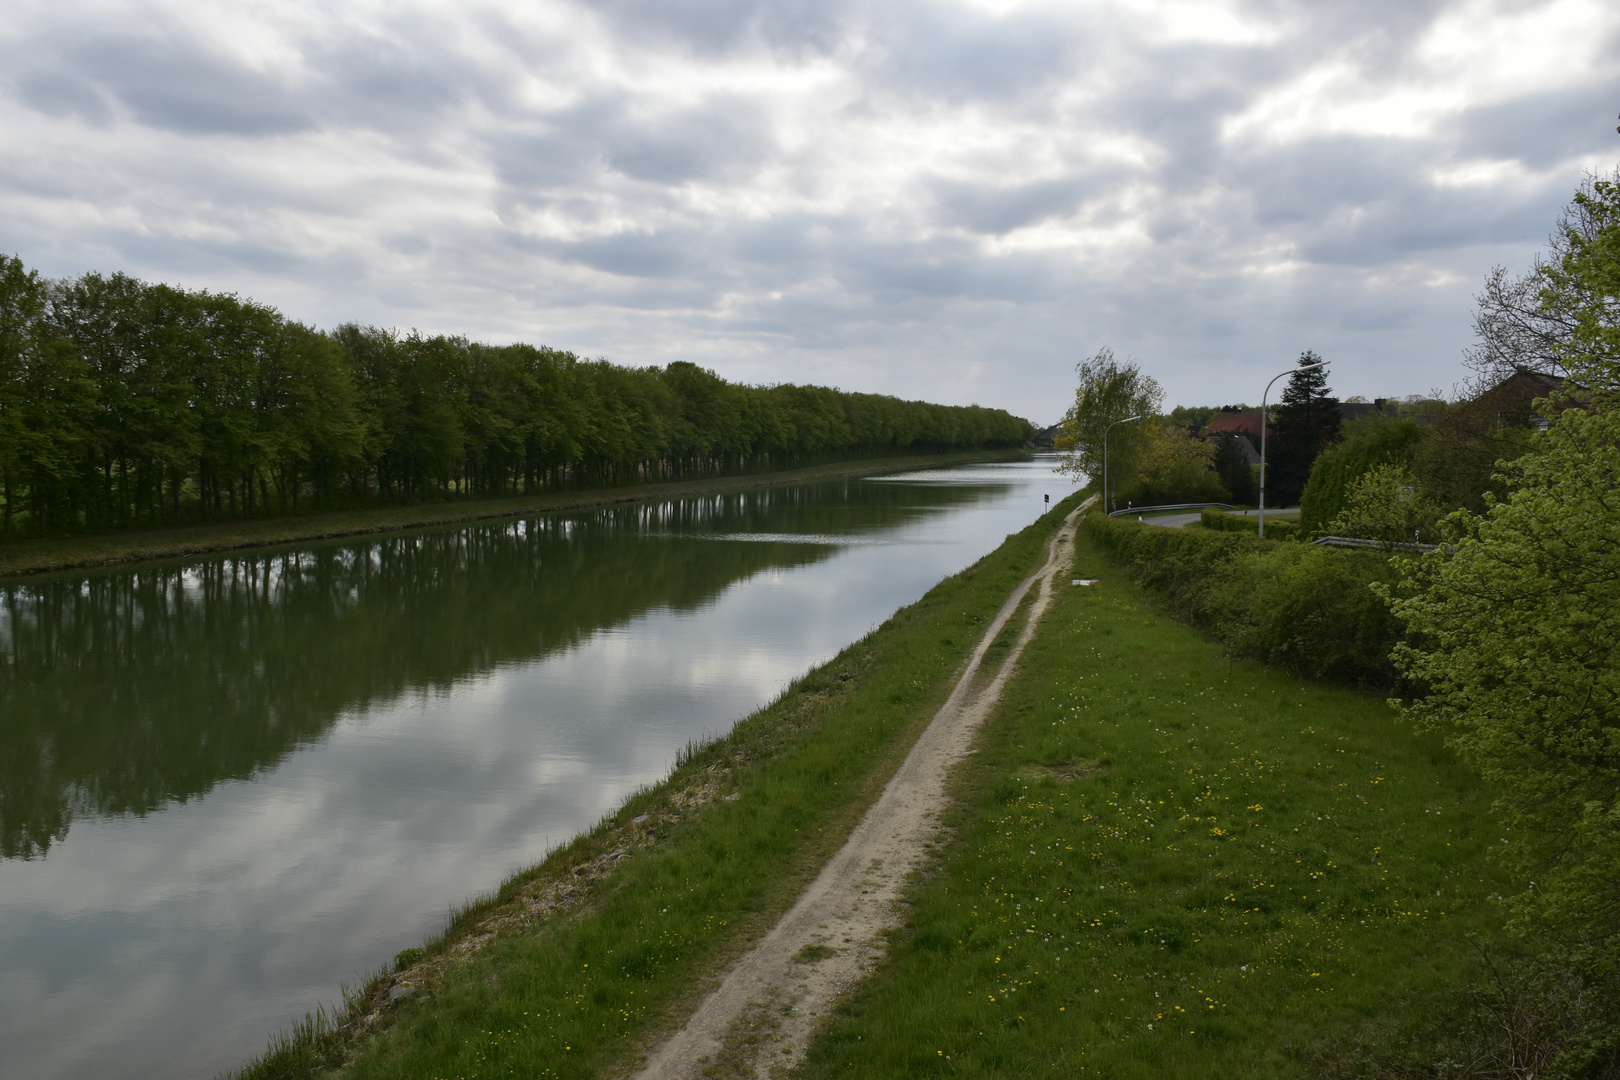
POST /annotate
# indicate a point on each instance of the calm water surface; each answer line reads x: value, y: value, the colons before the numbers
x: 228, y: 786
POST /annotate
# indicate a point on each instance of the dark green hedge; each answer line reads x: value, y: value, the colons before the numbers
x: 1277, y: 528
x: 1309, y: 610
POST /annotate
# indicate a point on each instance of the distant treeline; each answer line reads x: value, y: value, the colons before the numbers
x: 125, y: 404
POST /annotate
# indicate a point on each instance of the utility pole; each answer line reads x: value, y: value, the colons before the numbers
x: 1108, y: 506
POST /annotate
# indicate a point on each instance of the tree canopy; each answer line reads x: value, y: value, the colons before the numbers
x: 1108, y: 391
x: 1232, y: 466
x: 1514, y: 625
x: 125, y: 404
x: 1368, y: 445
x: 1174, y: 466
x: 1530, y: 321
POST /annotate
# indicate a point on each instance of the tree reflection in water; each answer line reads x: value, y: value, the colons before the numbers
x: 124, y: 691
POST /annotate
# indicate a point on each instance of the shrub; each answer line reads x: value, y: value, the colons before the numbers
x: 1369, y: 444
x: 1309, y: 610
x: 1276, y: 528
x: 1177, y: 563
x: 1512, y: 629
x: 1388, y: 504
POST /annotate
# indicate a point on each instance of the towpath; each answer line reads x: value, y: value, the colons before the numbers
x: 761, y: 1018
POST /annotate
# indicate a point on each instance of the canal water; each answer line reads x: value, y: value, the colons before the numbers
x: 228, y: 786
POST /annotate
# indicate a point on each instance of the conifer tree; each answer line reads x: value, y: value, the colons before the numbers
x: 1306, y: 424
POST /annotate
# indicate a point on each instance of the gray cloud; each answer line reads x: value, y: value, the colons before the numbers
x: 631, y: 254
x: 712, y: 27
x: 957, y: 53
x: 61, y: 94
x: 1002, y: 209
x: 927, y: 198
x: 695, y: 143
x: 164, y: 83
x: 1541, y: 129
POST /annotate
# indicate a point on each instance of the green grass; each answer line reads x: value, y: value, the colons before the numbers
x: 1166, y: 864
x: 49, y: 556
x: 588, y: 957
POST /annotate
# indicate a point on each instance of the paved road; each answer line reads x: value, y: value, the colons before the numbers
x: 1176, y: 521
x: 1172, y: 521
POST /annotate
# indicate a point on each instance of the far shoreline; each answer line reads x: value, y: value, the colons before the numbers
x: 31, y: 558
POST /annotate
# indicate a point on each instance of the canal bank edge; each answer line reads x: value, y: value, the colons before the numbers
x: 31, y: 558
x: 581, y: 964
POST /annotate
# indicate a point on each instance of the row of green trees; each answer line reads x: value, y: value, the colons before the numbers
x: 126, y: 404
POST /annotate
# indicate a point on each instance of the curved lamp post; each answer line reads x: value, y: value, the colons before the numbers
x: 1263, y: 426
x: 1108, y: 507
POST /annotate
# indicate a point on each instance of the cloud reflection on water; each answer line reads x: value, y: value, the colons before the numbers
x: 177, y: 935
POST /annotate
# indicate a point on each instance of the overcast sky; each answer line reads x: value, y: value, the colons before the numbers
x: 953, y: 201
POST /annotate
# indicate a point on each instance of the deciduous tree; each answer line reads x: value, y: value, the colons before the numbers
x: 1514, y: 628
x: 1109, y: 390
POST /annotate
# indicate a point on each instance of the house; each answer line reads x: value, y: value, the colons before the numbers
x: 1511, y: 401
x: 1355, y: 410
x: 1234, y: 421
x: 1239, y: 426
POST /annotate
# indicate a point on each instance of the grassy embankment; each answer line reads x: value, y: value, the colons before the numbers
x: 574, y: 966
x: 46, y: 556
x: 1171, y: 864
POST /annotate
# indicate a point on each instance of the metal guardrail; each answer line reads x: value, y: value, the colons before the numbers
x: 1171, y: 506
x: 1357, y: 542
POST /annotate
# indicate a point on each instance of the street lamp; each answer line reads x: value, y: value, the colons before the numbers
x: 1108, y: 506
x: 1263, y: 426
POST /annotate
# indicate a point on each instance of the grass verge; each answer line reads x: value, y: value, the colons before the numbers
x: 1170, y: 864
x: 576, y: 966
x: 48, y: 556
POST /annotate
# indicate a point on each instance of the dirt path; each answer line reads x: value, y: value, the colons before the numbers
x: 760, y: 1019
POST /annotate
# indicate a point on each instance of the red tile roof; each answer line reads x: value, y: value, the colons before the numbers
x: 1234, y: 422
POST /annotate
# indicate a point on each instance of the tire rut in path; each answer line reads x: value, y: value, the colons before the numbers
x: 760, y: 1019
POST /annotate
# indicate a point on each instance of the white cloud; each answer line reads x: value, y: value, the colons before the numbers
x: 947, y: 200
